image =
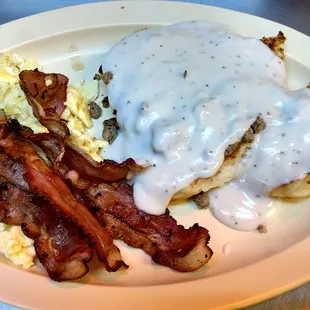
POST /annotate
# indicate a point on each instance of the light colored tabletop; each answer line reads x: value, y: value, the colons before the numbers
x: 294, y: 13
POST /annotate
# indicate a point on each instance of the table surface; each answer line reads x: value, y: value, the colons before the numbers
x: 294, y: 13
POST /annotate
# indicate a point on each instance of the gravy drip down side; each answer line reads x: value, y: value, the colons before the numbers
x: 188, y: 92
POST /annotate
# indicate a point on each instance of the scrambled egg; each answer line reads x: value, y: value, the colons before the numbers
x: 13, y: 243
x: 12, y: 98
x: 15, y: 105
x: 78, y: 117
x: 16, y: 246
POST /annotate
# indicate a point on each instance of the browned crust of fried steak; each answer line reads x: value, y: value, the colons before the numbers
x: 276, y: 44
x: 226, y: 172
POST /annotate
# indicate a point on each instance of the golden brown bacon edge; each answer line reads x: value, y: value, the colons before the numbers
x: 60, y: 246
x: 168, y: 243
x: 40, y: 179
x: 46, y: 93
x: 72, y: 162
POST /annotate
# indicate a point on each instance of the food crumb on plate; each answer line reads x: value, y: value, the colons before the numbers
x: 262, y: 229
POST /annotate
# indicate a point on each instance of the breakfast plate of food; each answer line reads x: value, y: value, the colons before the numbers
x: 151, y: 159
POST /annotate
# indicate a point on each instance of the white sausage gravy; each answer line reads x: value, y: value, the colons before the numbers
x: 183, y: 94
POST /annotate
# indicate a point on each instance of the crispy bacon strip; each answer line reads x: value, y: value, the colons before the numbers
x: 72, y: 162
x: 46, y: 93
x: 168, y: 243
x: 45, y: 182
x: 61, y: 247
x: 68, y: 158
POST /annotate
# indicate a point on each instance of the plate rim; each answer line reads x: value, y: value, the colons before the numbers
x: 25, y: 30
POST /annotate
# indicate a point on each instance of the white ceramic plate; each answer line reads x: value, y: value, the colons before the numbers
x: 257, y: 267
